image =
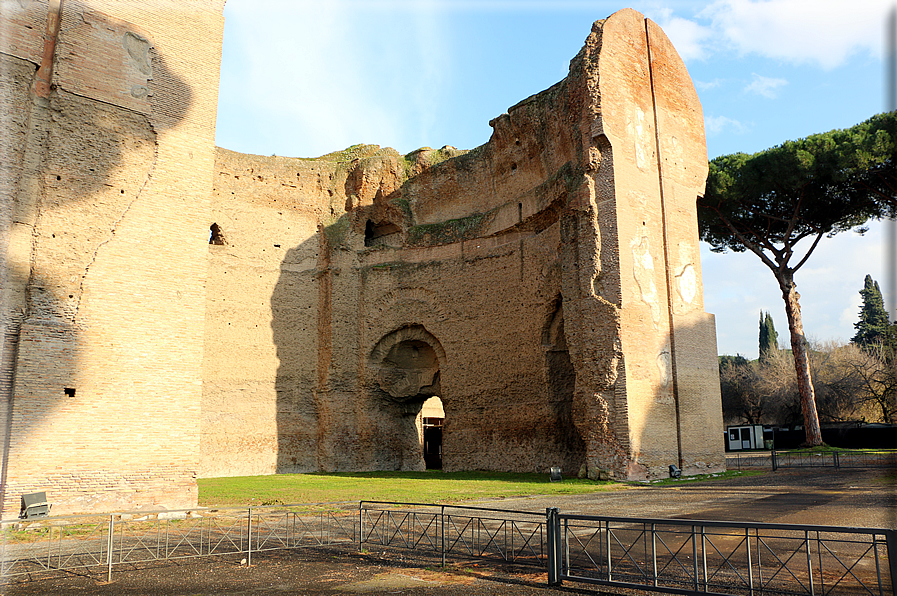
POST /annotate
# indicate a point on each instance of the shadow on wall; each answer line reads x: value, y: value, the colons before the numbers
x: 85, y: 161
x: 303, y: 343
x: 330, y: 417
x: 348, y: 407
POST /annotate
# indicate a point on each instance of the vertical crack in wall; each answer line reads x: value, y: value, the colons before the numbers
x: 114, y: 227
x: 666, y: 255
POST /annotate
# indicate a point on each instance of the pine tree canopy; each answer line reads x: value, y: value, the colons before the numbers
x: 806, y: 189
x: 873, y: 325
x: 820, y: 185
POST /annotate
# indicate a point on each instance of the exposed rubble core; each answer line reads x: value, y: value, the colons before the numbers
x: 170, y: 310
x: 549, y: 281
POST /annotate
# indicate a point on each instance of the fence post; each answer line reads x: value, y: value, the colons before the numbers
x: 109, y: 544
x: 775, y: 465
x: 249, y: 539
x: 891, y: 544
x: 360, y: 525
x: 553, y: 524
x: 442, y: 524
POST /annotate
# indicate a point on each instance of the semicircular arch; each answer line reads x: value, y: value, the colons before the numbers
x: 409, y: 332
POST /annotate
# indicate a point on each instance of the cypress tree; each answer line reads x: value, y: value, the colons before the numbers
x: 873, y: 325
x: 769, y: 339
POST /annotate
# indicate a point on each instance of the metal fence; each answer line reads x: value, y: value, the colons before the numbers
x: 66, y: 543
x: 678, y: 556
x: 464, y: 532
x: 806, y: 459
x: 748, y: 461
x: 706, y: 557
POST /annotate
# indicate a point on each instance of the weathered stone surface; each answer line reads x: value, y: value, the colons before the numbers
x: 170, y: 311
x: 106, y: 259
x: 552, y: 273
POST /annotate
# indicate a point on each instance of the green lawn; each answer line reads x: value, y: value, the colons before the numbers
x: 703, y: 477
x: 829, y: 449
x: 418, y: 487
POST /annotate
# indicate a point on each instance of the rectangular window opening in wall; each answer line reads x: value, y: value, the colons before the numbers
x: 69, y: 391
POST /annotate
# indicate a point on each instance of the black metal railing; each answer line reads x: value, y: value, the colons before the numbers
x: 677, y: 556
x: 710, y: 557
x: 811, y: 459
x: 72, y: 542
x: 447, y: 530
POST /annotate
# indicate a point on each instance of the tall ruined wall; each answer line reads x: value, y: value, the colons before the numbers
x: 546, y: 286
x: 108, y: 175
x: 488, y: 302
x: 651, y: 123
x: 258, y: 376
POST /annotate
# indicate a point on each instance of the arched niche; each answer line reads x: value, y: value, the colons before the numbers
x: 405, y: 364
x: 404, y: 369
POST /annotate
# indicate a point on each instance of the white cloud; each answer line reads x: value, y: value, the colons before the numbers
x: 328, y: 76
x: 715, y: 125
x: 850, y: 315
x: 825, y: 32
x: 765, y: 86
x: 821, y: 32
x: 707, y: 85
x: 688, y: 37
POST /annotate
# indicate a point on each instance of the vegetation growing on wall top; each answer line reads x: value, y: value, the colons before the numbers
x: 432, y: 157
x: 358, y: 151
x: 453, y: 230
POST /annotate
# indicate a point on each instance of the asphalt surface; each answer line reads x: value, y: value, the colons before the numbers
x: 854, y: 498
x: 859, y: 498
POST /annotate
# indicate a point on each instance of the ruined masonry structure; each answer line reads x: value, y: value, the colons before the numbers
x: 171, y: 310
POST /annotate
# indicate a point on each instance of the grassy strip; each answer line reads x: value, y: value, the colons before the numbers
x: 702, y: 477
x: 887, y: 478
x: 419, y: 487
x: 829, y: 449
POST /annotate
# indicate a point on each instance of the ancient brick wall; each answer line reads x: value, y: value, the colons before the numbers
x: 263, y: 267
x: 546, y: 286
x: 108, y: 241
x: 169, y: 310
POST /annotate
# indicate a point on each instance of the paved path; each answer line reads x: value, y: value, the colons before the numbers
x: 824, y: 496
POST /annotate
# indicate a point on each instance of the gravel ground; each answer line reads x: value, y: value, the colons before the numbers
x: 857, y: 498
x: 307, y: 573
x: 860, y: 498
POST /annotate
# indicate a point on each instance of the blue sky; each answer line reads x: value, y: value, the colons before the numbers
x: 304, y: 78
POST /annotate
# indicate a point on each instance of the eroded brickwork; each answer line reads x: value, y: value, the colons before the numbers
x: 172, y: 311
x: 547, y: 283
x: 106, y: 247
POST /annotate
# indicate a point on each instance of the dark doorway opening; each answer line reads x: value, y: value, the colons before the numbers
x: 406, y: 364
x: 380, y: 234
x: 432, y: 418
x: 433, y: 444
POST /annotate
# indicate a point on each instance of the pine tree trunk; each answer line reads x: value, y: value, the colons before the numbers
x: 801, y: 359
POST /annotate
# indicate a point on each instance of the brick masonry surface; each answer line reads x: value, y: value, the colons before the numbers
x: 546, y: 286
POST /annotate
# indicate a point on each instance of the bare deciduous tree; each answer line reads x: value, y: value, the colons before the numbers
x: 852, y: 384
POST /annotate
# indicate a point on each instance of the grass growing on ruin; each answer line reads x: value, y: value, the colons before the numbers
x: 419, y: 487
